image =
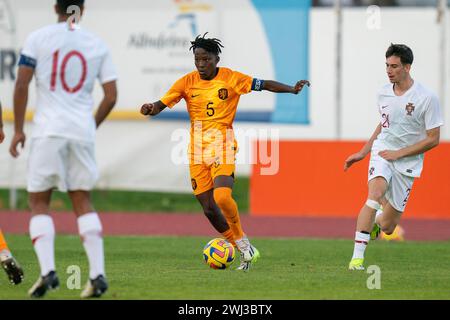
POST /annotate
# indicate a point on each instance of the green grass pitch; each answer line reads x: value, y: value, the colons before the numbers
x: 172, y: 268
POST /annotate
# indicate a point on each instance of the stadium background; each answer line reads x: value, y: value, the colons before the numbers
x: 310, y: 196
x: 150, y: 48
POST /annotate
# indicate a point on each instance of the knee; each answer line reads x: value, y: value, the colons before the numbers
x: 222, y: 196
x: 376, y: 196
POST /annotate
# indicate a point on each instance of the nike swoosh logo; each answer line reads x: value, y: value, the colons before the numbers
x: 193, y: 96
x: 382, y: 107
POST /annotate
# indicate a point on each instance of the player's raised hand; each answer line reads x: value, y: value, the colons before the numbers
x: 299, y: 85
x: 147, y: 109
x: 352, y: 159
x: 19, y: 138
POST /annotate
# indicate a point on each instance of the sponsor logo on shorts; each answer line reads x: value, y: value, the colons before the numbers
x: 371, y: 170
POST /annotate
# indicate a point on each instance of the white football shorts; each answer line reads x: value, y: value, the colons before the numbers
x: 66, y: 164
x: 399, y: 185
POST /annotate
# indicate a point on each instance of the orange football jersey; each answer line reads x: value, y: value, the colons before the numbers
x: 212, y: 107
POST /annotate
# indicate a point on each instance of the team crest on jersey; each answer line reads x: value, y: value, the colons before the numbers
x: 223, y: 93
x: 409, y: 109
x: 194, y: 184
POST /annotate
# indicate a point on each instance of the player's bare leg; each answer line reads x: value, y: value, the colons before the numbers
x: 377, y: 188
x: 81, y: 202
x: 223, y: 186
x: 389, y: 218
x: 90, y: 229
x: 42, y: 233
x: 212, y: 211
x: 39, y: 202
x: 376, y: 230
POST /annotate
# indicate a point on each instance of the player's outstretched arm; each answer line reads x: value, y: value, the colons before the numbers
x: 274, y: 86
x: 24, y: 76
x: 364, y: 151
x: 108, y: 102
x: 2, y: 135
x: 152, y: 109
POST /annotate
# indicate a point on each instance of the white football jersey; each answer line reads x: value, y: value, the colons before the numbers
x: 67, y: 62
x: 405, y: 120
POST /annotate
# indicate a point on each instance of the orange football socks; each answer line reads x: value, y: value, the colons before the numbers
x: 229, y: 236
x: 229, y: 208
x: 3, y: 245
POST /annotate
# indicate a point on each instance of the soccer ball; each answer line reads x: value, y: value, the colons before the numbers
x: 219, y: 253
x: 397, y: 235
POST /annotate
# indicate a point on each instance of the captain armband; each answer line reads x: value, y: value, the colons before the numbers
x: 257, y: 84
x: 27, y: 61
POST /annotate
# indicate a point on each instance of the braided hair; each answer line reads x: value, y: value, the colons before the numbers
x: 210, y: 45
